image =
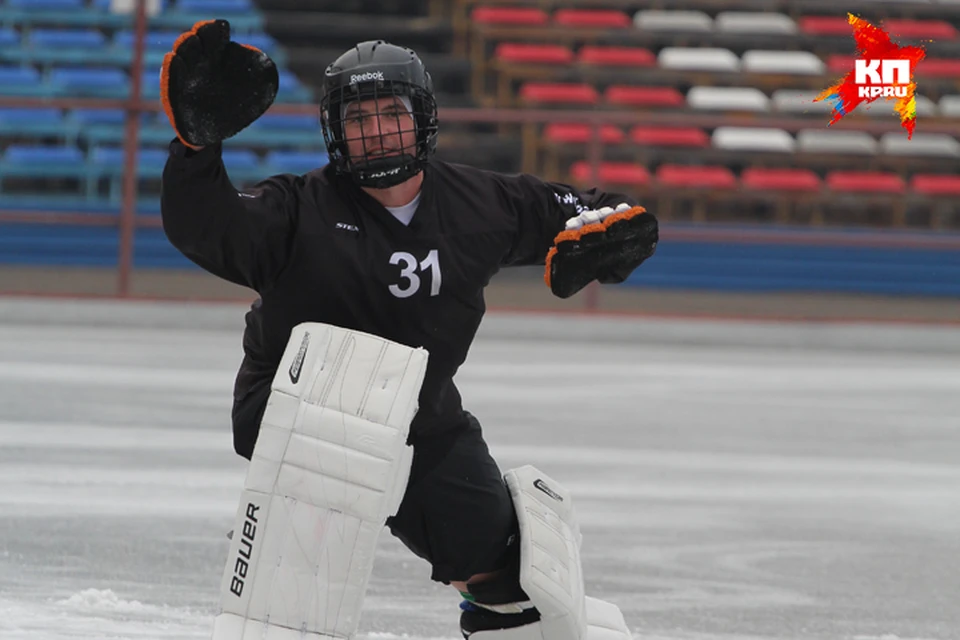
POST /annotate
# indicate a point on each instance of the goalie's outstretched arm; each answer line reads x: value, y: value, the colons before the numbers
x: 212, y: 88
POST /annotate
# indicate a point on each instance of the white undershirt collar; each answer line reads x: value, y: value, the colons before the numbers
x: 405, y: 213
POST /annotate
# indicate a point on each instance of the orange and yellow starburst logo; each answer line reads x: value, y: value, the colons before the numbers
x: 882, y: 70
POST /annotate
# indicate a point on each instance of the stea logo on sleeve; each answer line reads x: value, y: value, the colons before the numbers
x: 882, y: 70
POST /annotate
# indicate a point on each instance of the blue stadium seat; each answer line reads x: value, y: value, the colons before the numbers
x: 281, y: 130
x: 22, y: 81
x: 97, y: 125
x: 47, y: 5
x: 243, y: 165
x: 87, y: 117
x: 153, y: 131
x: 214, y: 7
x: 32, y: 122
x: 150, y: 83
x: 62, y: 13
x: 84, y: 81
x: 297, y: 162
x: 109, y: 162
x: 155, y: 40
x: 240, y: 159
x: 9, y: 38
x: 104, y: 5
x: 291, y: 90
x: 66, y: 39
x: 42, y: 162
x: 262, y: 41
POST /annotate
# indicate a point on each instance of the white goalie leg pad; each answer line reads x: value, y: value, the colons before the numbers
x: 550, y: 569
x: 330, y: 465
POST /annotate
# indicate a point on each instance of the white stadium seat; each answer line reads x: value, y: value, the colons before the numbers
x: 950, y: 105
x: 753, y: 139
x: 751, y: 22
x: 728, y: 99
x: 798, y: 101
x: 830, y: 141
x: 654, y: 20
x: 922, y: 144
x: 793, y: 62
x: 699, y: 59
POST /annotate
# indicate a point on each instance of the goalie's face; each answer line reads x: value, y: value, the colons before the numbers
x: 379, y: 128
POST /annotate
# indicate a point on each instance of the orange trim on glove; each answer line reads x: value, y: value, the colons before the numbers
x: 165, y: 78
x: 546, y: 271
x: 576, y: 234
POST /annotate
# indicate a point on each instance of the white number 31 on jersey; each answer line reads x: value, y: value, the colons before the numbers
x: 408, y: 271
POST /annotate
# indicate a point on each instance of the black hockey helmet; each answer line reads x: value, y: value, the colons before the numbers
x: 370, y: 71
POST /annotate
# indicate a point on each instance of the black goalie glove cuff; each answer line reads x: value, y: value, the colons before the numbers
x: 604, y: 245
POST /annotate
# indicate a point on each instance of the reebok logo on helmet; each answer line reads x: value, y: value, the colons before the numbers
x: 366, y: 77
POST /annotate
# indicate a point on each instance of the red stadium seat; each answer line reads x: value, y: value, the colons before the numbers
x: 940, y: 67
x: 838, y: 63
x: 578, y: 132
x: 780, y: 179
x: 670, y: 136
x: 693, y: 177
x: 533, y: 53
x: 925, y: 29
x: 838, y: 26
x: 559, y: 93
x: 936, y: 185
x: 616, y: 56
x: 825, y: 26
x: 592, y: 18
x: 643, y: 96
x: 623, y: 173
x: 509, y: 15
x: 865, y: 181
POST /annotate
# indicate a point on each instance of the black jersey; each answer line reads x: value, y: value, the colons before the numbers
x: 316, y: 248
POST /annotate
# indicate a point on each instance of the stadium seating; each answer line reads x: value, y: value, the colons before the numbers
x: 714, y: 108
x: 79, y: 49
x: 673, y: 21
x: 745, y: 22
x: 611, y: 173
x: 649, y: 97
x: 720, y: 67
x: 791, y: 180
x: 753, y: 139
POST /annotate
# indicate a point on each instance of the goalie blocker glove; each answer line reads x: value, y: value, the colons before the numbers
x: 212, y: 88
x: 604, y: 245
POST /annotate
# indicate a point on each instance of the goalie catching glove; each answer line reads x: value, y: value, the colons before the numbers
x: 604, y: 245
x: 212, y: 88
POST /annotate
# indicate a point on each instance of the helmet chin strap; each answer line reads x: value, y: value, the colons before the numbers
x: 383, y: 173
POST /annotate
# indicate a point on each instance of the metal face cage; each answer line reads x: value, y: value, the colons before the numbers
x: 379, y: 131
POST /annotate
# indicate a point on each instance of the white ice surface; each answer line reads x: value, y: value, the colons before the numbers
x: 734, y: 481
